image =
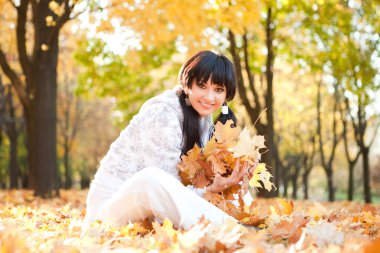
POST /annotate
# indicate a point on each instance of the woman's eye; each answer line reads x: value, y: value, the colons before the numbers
x: 201, y: 85
x: 219, y: 90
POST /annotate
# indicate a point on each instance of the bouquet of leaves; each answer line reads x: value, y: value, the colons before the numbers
x: 228, y: 148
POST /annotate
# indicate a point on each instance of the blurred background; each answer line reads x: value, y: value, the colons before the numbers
x: 73, y: 73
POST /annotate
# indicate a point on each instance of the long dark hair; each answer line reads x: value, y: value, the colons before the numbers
x: 200, y: 68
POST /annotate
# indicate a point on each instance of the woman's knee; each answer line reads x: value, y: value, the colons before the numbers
x: 153, y: 177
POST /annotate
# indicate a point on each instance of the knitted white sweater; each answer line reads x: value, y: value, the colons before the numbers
x: 152, y: 138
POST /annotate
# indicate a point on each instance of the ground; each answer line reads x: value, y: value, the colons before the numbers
x: 29, y: 224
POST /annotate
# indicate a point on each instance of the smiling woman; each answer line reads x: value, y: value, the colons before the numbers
x: 138, y: 177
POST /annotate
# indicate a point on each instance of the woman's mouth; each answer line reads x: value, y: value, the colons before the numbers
x: 206, y: 105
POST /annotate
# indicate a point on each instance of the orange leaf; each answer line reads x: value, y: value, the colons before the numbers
x: 226, y: 135
x: 290, y: 230
x: 217, y: 165
x: 189, y: 164
x: 200, y: 180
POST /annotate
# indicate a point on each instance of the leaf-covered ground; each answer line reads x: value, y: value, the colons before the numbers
x: 29, y: 224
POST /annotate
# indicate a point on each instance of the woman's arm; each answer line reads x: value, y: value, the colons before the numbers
x: 159, y: 138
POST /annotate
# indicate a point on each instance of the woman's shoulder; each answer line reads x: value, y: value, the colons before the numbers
x: 166, y: 102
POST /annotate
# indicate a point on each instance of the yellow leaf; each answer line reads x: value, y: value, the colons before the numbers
x: 261, y: 174
x: 211, y: 147
x: 286, y: 206
x: 225, y: 134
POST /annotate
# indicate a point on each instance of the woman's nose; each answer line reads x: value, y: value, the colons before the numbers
x: 210, y: 96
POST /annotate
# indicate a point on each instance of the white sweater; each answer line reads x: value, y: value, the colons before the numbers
x: 152, y: 138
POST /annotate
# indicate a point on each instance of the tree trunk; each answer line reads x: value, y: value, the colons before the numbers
x: 295, y: 186
x: 14, y: 168
x: 285, y: 180
x: 305, y: 177
x: 268, y: 157
x: 330, y: 184
x: 41, y: 115
x: 297, y: 169
x: 350, y: 189
x: 84, y: 182
x: 66, y: 164
x: 13, y: 164
x: 43, y: 166
x: 366, y: 175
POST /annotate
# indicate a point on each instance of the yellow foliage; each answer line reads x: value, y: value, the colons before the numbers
x: 161, y: 21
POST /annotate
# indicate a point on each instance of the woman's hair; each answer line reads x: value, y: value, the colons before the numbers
x: 200, y: 68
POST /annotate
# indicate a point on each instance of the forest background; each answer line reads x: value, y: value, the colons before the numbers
x: 73, y: 73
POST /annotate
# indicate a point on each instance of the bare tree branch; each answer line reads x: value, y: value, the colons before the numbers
x: 240, y: 81
x: 60, y: 22
x: 21, y: 38
x: 16, y: 81
x: 250, y: 76
x: 319, y: 124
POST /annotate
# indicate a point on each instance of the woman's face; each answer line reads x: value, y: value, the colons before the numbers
x: 206, y: 98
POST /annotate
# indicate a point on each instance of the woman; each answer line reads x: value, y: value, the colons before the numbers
x: 138, y: 177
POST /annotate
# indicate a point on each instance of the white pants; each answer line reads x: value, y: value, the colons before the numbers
x: 149, y: 193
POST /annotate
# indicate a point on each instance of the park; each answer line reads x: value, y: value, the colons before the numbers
x: 75, y: 75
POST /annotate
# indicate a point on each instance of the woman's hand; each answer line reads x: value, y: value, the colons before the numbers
x: 221, y: 183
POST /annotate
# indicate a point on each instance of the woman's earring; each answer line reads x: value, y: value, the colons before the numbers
x: 224, y: 109
x: 187, y: 100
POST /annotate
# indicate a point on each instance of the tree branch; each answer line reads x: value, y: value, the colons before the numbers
x: 21, y: 38
x: 319, y: 124
x: 240, y: 80
x: 251, y: 79
x: 60, y: 22
x: 13, y: 77
x: 335, y: 138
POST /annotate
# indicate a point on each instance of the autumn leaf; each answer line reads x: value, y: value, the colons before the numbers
x: 211, y: 147
x: 200, y: 180
x: 261, y: 175
x: 284, y: 206
x: 247, y: 145
x: 207, y: 167
x: 189, y: 164
x: 226, y: 135
x: 217, y: 165
x: 290, y: 230
x: 215, y: 199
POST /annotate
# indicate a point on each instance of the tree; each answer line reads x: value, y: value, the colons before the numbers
x: 327, y: 161
x: 351, y: 161
x: 38, y: 24
x: 8, y: 123
x: 340, y: 42
x: 354, y: 70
